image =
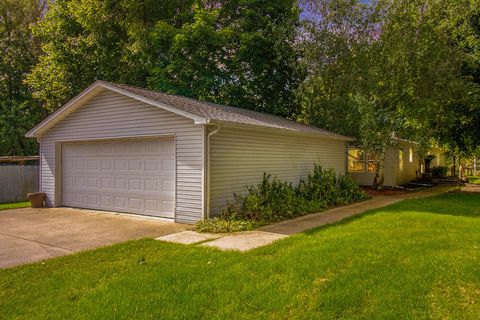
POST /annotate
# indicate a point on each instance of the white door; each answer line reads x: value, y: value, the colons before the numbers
x: 135, y: 176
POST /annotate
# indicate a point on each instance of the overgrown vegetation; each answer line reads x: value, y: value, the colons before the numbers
x: 274, y: 200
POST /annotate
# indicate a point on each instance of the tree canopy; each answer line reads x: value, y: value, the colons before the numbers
x: 18, y: 111
x: 387, y: 69
x: 236, y: 52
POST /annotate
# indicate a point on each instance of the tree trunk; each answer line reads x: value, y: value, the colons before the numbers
x: 460, y: 169
x: 454, y: 167
x: 379, y: 179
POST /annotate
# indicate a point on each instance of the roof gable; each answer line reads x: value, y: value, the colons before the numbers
x: 201, y: 112
x: 91, y: 92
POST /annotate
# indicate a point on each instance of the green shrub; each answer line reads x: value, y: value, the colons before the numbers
x: 321, y: 185
x: 274, y: 200
x: 270, y: 200
x: 222, y: 225
x: 439, y: 172
x: 349, y: 191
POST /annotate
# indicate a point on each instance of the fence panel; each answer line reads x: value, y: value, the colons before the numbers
x: 16, y: 181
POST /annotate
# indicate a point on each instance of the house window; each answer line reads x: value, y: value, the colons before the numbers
x: 356, y: 160
x: 410, y: 155
x: 370, y: 163
x: 400, y: 159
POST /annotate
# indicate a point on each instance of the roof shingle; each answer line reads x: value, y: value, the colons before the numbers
x: 215, y: 112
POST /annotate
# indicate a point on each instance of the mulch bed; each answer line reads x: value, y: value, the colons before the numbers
x: 384, y: 192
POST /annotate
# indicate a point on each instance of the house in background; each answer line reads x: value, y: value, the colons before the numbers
x: 402, y: 164
x: 121, y: 148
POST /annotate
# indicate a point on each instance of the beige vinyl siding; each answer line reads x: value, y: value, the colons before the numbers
x: 112, y: 115
x: 363, y: 178
x: 240, y: 156
x: 391, y: 162
x: 408, y: 173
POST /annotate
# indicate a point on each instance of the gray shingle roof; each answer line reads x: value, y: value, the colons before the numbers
x: 214, y: 112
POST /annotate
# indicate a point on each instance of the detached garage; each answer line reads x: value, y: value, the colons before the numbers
x: 121, y: 148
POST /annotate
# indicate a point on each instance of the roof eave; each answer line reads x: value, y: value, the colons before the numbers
x: 304, y: 133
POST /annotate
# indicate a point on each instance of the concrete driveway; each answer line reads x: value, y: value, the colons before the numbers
x: 29, y: 235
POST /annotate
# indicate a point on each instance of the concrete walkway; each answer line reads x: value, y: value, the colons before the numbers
x: 470, y: 187
x: 244, y: 241
x: 311, y: 221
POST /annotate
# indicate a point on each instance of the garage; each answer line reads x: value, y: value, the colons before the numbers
x: 116, y: 147
x: 134, y: 176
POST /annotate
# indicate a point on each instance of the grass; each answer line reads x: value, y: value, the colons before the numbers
x: 417, y: 259
x: 15, y: 205
x: 474, y: 179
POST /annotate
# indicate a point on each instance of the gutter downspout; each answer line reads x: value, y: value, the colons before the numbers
x: 39, y: 180
x: 207, y: 213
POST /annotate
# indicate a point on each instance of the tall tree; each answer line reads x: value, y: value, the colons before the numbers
x: 18, y: 111
x: 238, y: 52
x: 458, y: 126
x: 402, y: 71
x: 96, y: 39
x: 332, y: 38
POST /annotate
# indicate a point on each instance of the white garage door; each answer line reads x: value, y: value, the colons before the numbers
x: 136, y: 176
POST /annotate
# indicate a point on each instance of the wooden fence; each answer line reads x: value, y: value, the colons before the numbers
x: 16, y: 180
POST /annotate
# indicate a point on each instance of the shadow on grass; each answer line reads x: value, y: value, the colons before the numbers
x: 457, y: 203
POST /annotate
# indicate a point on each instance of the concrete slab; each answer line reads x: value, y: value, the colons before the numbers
x: 189, y: 237
x: 14, y: 251
x: 244, y: 241
x: 29, y: 235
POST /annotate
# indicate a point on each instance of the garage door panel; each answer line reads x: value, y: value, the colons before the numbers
x: 92, y: 164
x: 168, y: 206
x: 106, y: 201
x: 136, y: 176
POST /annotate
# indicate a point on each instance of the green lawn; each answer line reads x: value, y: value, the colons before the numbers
x: 418, y: 259
x: 15, y: 205
x: 474, y: 179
